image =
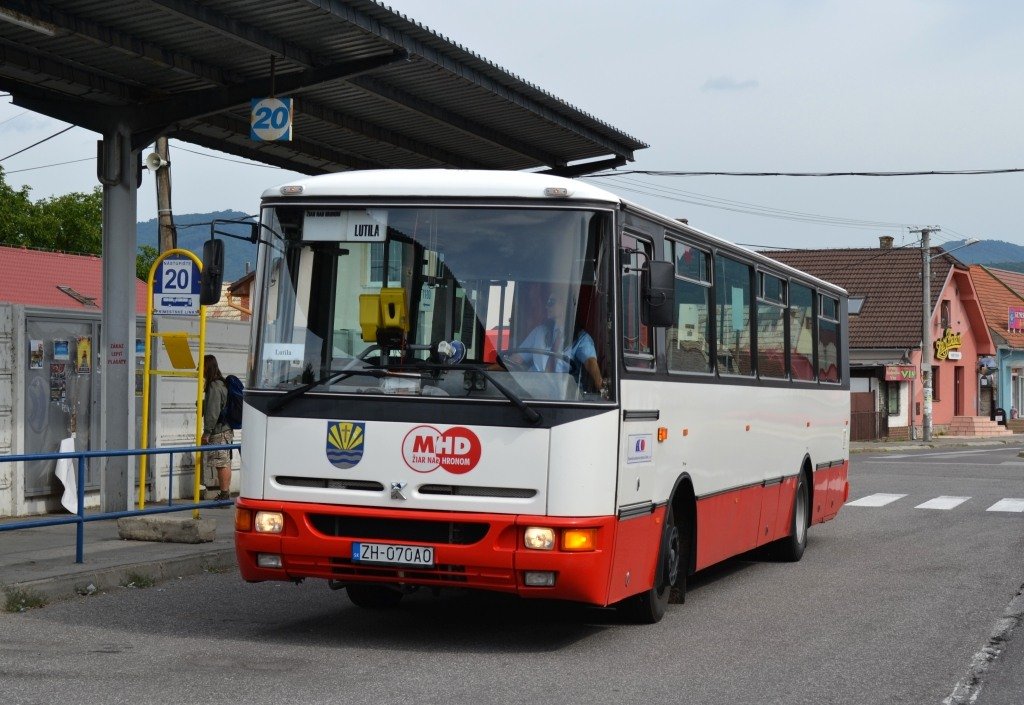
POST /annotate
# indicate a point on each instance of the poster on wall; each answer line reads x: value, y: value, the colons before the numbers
x: 83, y: 355
x: 58, y: 381
x: 61, y: 350
x: 35, y: 355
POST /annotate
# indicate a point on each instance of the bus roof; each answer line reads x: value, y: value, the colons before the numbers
x: 437, y: 183
x: 470, y: 183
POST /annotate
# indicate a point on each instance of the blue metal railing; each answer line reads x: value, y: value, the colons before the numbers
x: 80, y: 517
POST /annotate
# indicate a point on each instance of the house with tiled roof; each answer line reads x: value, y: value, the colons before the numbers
x: 885, y: 328
x: 59, y: 280
x: 1001, y: 293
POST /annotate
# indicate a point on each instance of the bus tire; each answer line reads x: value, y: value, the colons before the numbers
x: 373, y: 596
x: 649, y: 607
x: 792, y: 547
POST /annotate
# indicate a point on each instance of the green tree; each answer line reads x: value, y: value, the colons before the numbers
x: 72, y: 222
x: 144, y: 261
x: 16, y: 214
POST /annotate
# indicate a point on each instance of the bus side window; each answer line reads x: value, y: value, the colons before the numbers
x: 828, y: 339
x: 636, y: 336
x: 732, y: 317
x: 688, y: 342
x: 801, y: 332
x: 771, y: 326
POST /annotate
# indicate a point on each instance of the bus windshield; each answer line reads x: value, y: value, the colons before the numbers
x: 445, y: 302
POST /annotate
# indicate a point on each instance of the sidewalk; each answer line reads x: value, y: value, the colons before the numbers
x: 937, y: 442
x: 40, y: 562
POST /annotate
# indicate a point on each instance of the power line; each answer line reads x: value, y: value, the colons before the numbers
x: 768, y: 209
x: 55, y: 134
x: 225, y: 159
x: 47, y: 166
x: 183, y: 149
x: 23, y: 112
x: 753, y: 209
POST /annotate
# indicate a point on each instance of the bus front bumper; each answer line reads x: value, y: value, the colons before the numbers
x: 478, y: 551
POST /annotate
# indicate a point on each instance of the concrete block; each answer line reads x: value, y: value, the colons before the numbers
x: 167, y: 529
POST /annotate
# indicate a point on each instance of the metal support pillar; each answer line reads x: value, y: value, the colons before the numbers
x: 117, y: 170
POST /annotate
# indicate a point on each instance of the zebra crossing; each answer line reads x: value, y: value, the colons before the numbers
x: 944, y: 502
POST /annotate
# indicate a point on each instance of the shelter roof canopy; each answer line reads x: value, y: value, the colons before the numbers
x: 372, y: 88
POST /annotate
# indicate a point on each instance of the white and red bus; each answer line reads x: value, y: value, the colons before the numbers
x: 423, y: 409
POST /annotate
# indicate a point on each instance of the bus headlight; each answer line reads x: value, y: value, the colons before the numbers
x: 269, y: 522
x: 539, y: 538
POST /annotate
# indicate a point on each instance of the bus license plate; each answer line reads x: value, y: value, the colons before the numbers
x: 393, y: 554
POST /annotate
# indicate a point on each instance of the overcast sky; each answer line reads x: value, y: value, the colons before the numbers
x: 717, y: 85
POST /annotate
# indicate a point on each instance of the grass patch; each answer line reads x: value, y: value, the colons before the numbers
x: 18, y: 600
x: 135, y: 580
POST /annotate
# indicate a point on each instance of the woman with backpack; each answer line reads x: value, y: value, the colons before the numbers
x: 216, y: 431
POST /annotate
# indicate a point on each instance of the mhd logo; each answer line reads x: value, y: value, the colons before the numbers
x: 457, y: 450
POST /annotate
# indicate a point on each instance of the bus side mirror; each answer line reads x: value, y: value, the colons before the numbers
x: 659, y: 290
x: 213, y: 272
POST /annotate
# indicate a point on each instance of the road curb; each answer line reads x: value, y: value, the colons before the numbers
x: 969, y: 687
x: 89, y: 582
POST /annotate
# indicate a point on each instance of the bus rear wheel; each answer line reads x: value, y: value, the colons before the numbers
x: 372, y: 596
x: 649, y: 606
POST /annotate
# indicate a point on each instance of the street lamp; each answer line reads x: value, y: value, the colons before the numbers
x: 926, y: 324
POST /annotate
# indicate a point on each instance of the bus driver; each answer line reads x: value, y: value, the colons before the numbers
x: 578, y: 356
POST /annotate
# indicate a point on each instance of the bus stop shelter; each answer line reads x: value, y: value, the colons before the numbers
x: 372, y: 88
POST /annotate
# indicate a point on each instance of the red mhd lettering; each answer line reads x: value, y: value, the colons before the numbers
x: 423, y: 444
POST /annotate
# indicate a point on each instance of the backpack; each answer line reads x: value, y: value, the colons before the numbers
x: 231, y: 414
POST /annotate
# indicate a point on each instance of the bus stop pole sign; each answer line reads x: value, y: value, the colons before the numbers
x: 176, y: 287
x: 270, y: 120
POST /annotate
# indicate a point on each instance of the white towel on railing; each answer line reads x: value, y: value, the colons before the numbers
x: 67, y: 473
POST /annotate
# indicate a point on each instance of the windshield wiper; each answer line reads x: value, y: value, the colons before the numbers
x: 528, y: 412
x: 330, y: 377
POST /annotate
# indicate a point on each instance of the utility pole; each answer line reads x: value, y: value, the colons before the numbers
x: 168, y: 235
x: 926, y: 329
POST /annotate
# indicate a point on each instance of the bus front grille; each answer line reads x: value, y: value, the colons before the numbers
x: 470, y: 491
x: 332, y: 484
x: 461, y: 533
x: 343, y: 567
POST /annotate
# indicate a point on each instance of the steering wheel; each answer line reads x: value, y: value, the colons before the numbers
x: 512, y: 364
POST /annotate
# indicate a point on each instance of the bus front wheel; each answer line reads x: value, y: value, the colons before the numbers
x: 792, y: 547
x: 649, y: 606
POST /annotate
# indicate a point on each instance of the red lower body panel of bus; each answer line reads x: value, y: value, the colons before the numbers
x: 478, y: 551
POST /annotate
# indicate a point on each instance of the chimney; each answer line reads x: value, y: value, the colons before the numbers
x: 885, y: 242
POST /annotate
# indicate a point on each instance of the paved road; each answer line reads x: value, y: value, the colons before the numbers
x: 891, y: 604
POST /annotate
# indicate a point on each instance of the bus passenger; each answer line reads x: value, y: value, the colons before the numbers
x: 215, y: 430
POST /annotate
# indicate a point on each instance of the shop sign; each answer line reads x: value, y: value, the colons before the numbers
x: 948, y: 342
x: 900, y: 373
x: 1016, y: 318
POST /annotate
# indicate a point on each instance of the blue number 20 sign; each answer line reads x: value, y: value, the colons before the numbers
x: 270, y: 120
